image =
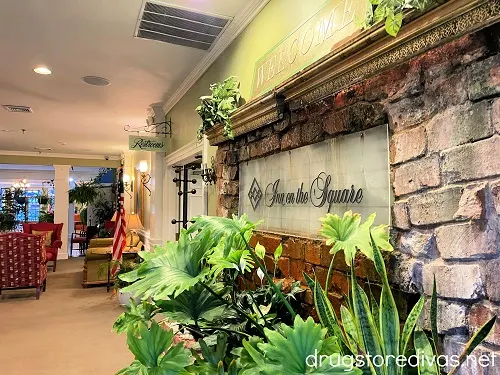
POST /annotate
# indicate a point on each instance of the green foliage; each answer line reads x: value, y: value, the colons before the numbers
x: 46, y: 217
x: 347, y: 233
x: 134, y: 314
x: 154, y: 353
x: 9, y: 210
x: 103, y: 210
x: 292, y: 351
x: 196, y: 306
x: 194, y: 282
x: 172, y: 270
x: 391, y: 12
x: 217, y: 108
x: 84, y: 193
x: 372, y: 327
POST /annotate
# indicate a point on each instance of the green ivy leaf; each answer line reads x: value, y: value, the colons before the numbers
x: 393, y: 23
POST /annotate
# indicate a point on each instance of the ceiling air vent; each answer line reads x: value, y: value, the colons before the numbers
x: 17, y: 108
x: 174, y: 25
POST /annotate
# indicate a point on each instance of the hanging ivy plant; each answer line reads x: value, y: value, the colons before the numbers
x: 392, y: 12
x: 217, y: 108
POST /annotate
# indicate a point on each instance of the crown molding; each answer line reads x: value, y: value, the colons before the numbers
x: 237, y: 25
x: 58, y: 155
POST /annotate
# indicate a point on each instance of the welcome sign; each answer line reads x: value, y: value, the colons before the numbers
x: 142, y: 143
x: 315, y: 38
x: 293, y: 189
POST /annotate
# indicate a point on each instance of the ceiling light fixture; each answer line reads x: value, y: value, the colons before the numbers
x: 42, y: 70
x: 96, y: 81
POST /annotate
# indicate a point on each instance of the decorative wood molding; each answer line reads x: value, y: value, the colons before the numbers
x: 185, y: 152
x: 237, y: 25
x: 364, y: 55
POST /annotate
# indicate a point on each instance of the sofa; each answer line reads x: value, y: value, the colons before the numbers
x: 53, y: 245
x: 23, y: 262
x: 95, y: 266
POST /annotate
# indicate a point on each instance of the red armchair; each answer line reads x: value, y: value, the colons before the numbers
x: 22, y: 262
x: 56, y: 242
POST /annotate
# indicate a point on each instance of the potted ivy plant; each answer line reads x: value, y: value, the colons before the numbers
x: 83, y: 194
x: 19, y: 195
x: 217, y: 108
x: 43, y: 197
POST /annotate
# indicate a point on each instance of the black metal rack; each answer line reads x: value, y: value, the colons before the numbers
x: 182, y: 181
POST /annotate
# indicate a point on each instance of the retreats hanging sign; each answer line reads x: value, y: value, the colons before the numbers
x: 312, y: 40
x: 142, y: 143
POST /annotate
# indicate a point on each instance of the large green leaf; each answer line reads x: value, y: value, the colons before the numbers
x: 288, y: 352
x: 362, y: 312
x: 174, y: 271
x: 347, y: 233
x: 410, y: 323
x: 195, y: 306
x: 428, y: 363
x: 239, y: 260
x: 475, y: 340
x: 389, y: 316
x: 135, y: 313
x: 326, y: 313
x: 231, y: 230
x: 154, y: 353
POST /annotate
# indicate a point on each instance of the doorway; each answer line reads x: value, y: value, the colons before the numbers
x: 190, y: 199
x: 184, y: 194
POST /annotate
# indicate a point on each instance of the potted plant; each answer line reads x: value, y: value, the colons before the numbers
x: 218, y: 107
x: 43, y: 197
x: 83, y: 194
x: 19, y: 195
x: 124, y: 266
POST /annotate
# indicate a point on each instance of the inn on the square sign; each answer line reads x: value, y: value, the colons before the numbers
x: 319, y: 194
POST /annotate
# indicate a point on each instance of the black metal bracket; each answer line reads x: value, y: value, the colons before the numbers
x: 163, y: 128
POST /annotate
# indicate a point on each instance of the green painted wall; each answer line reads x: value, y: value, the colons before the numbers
x: 277, y: 20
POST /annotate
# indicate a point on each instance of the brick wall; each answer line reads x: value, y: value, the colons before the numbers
x: 443, y: 110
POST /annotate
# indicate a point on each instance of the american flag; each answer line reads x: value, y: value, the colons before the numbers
x: 119, y: 239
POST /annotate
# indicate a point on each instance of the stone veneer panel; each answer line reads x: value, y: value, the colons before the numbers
x: 443, y: 110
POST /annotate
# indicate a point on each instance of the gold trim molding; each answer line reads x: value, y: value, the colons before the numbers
x: 364, y: 55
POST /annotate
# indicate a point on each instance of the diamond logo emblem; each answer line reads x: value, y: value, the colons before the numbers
x: 255, y: 194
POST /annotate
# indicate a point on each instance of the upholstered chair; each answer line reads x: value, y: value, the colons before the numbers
x: 53, y: 243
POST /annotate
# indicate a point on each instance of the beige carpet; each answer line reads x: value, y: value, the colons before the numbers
x: 66, y: 332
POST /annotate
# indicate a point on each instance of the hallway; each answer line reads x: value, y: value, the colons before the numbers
x: 68, y: 331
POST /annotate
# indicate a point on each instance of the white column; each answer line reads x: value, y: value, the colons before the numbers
x: 156, y: 201
x: 61, y: 186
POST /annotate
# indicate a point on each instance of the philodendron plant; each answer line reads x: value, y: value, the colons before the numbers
x: 193, y: 281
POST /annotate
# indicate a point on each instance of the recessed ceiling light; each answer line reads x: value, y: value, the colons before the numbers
x: 96, y: 81
x: 42, y: 70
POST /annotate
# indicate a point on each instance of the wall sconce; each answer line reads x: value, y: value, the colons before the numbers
x: 128, y: 185
x: 145, y: 177
x: 209, y: 175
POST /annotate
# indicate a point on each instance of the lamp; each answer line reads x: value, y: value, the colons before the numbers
x: 133, y: 222
x: 145, y: 177
x: 209, y: 175
x: 128, y: 184
x: 114, y: 216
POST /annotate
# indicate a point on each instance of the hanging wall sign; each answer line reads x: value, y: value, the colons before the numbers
x: 309, y: 42
x: 142, y: 143
x: 293, y: 189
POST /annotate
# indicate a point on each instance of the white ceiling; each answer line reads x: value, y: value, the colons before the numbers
x: 75, y: 38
